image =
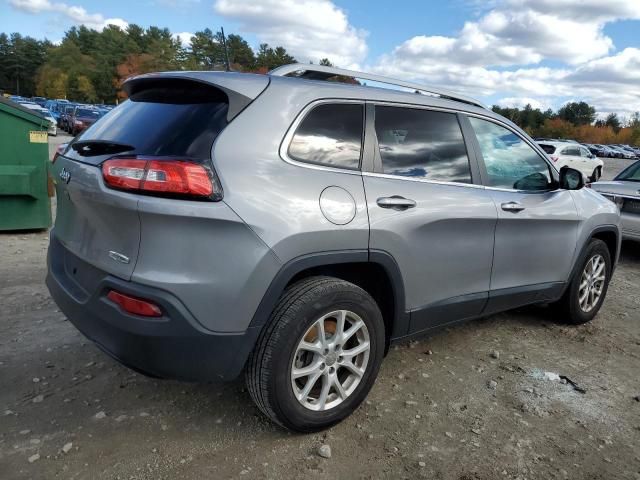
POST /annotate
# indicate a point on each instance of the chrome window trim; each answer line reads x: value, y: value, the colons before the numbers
x: 421, y: 180
x: 286, y: 141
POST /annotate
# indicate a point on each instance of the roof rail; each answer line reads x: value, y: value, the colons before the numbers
x: 320, y: 72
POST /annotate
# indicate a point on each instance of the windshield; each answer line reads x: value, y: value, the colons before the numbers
x: 630, y: 174
x: 85, y: 112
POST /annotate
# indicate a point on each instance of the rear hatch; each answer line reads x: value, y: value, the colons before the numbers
x: 167, y: 116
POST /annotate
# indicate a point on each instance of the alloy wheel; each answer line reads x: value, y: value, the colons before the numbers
x: 592, y: 283
x: 330, y: 360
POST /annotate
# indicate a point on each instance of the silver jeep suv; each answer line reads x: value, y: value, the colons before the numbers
x: 290, y: 228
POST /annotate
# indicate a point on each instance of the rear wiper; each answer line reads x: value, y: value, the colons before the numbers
x: 91, y: 148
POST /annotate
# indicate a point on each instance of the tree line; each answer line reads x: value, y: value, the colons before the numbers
x: 575, y: 120
x: 90, y: 66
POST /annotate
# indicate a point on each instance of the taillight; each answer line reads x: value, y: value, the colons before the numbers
x: 554, y: 158
x: 165, y: 177
x: 136, y: 306
x: 59, y: 151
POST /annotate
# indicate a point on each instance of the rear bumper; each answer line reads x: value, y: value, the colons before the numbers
x: 172, y: 346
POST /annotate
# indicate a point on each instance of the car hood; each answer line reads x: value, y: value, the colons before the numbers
x: 621, y: 187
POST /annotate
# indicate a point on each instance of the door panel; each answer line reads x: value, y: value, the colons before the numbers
x: 534, y: 245
x: 537, y: 226
x: 443, y: 245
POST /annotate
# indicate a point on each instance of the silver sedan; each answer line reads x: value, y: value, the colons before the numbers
x: 624, y: 191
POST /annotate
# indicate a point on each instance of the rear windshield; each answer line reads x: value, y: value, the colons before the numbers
x: 84, y: 112
x: 178, y: 119
x: 549, y: 149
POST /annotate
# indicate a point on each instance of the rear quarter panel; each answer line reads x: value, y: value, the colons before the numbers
x: 279, y: 200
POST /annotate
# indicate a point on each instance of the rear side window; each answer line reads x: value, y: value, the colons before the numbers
x: 331, y: 135
x: 422, y: 144
x: 573, y: 151
x: 178, y: 118
x: 549, y: 149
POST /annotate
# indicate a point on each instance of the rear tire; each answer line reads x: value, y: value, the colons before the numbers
x: 292, y: 344
x: 588, y: 288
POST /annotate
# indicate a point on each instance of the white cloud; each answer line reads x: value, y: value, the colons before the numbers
x: 309, y: 29
x: 500, y: 55
x: 185, y: 38
x: 522, y: 102
x: 76, y: 14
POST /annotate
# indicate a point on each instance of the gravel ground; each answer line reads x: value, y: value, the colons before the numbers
x: 470, y: 402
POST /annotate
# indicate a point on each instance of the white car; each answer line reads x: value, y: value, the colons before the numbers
x: 53, y: 125
x: 575, y: 156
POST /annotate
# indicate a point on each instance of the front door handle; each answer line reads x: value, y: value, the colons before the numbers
x: 396, y: 202
x: 512, y: 207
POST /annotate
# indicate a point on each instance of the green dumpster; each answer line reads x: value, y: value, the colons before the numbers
x: 24, y: 159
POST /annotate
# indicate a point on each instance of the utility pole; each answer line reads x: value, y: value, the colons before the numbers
x: 226, y: 52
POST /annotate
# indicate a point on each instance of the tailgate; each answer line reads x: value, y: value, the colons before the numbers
x: 97, y: 224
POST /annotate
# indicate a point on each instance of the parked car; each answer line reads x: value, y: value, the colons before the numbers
x: 575, y: 156
x: 53, y: 128
x: 83, y: 117
x: 39, y: 100
x: 65, y: 116
x: 631, y: 151
x: 597, y: 150
x: 624, y: 191
x: 292, y: 229
x: 606, y: 152
x: 621, y: 153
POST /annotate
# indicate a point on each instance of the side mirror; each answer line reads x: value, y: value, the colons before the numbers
x: 571, y: 179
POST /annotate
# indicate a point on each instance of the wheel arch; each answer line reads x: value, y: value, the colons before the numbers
x: 374, y: 271
x: 610, y: 235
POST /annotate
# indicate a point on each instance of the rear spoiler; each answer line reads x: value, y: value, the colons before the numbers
x: 240, y: 88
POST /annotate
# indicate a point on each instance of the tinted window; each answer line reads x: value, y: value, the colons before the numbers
x: 547, y: 148
x: 509, y: 160
x: 584, y: 152
x: 331, y: 134
x: 181, y: 120
x: 422, y: 144
x: 573, y: 151
x: 631, y: 174
x: 85, y: 112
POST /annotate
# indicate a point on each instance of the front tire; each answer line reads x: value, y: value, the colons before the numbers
x: 588, y: 288
x: 318, y: 356
x: 595, y: 176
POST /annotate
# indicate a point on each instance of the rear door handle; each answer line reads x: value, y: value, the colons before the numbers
x: 396, y: 202
x: 512, y: 207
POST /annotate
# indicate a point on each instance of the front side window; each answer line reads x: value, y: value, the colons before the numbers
x: 422, y: 144
x: 510, y: 162
x: 331, y: 135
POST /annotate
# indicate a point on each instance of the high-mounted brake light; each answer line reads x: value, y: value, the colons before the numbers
x: 161, y: 177
x: 136, y: 306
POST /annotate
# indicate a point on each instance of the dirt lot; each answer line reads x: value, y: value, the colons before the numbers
x: 68, y: 411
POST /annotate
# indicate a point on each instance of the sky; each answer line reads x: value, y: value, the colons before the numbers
x: 505, y: 52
